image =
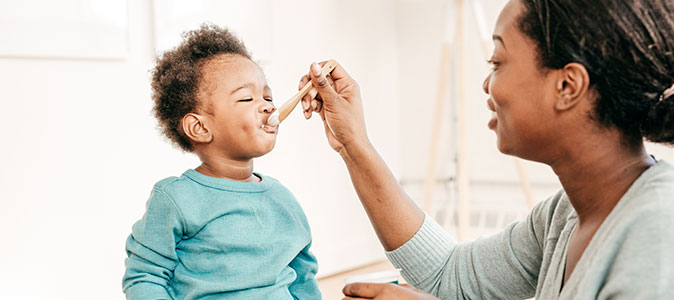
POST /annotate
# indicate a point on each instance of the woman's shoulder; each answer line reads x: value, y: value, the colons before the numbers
x: 659, y: 177
x: 654, y: 188
x: 650, y: 200
x: 550, y: 217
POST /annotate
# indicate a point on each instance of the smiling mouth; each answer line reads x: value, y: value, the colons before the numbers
x: 493, y: 121
x: 490, y: 105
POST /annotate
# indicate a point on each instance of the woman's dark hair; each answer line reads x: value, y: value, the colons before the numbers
x: 626, y: 46
x: 176, y: 78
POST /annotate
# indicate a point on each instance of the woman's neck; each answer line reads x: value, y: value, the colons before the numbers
x: 224, y: 167
x: 595, y: 175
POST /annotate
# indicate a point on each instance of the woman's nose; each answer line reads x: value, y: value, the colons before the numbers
x: 485, y: 84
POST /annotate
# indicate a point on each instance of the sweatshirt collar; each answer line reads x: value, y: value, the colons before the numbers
x: 228, y: 184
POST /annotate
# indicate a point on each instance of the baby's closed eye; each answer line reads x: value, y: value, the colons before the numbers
x: 251, y: 99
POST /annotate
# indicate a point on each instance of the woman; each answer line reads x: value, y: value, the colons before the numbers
x: 576, y: 85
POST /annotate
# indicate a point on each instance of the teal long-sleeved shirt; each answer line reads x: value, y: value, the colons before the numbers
x: 211, y: 238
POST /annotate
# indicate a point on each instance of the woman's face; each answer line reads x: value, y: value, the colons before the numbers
x: 520, y: 94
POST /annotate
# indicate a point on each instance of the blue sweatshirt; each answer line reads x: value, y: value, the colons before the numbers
x: 211, y: 238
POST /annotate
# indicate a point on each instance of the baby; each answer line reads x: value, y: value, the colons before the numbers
x: 220, y: 231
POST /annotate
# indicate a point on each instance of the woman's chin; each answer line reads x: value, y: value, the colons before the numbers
x: 503, y: 147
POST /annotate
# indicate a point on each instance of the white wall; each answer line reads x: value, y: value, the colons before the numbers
x: 80, y: 151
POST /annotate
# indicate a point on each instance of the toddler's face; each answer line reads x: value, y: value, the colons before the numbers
x: 240, y: 104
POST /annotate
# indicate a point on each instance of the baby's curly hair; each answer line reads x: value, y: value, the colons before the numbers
x: 177, y: 75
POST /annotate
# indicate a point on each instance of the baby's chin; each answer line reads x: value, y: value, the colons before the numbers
x: 266, y: 149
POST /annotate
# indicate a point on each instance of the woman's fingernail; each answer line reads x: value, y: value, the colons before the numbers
x: 314, y: 104
x: 315, y: 69
x: 305, y: 105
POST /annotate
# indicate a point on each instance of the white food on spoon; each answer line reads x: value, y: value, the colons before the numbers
x: 273, y: 120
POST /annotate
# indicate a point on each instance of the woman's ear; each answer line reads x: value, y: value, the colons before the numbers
x: 195, y: 128
x: 573, y: 86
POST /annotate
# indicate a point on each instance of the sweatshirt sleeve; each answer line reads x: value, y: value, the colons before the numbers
x: 306, y: 266
x: 151, y: 249
x: 501, y: 266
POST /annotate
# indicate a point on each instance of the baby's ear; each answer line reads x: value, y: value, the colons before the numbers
x: 196, y: 129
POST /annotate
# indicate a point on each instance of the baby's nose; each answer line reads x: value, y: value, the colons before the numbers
x: 268, y: 108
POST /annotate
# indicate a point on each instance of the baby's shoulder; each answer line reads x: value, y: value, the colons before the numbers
x: 169, y: 184
x: 165, y: 183
x: 177, y: 188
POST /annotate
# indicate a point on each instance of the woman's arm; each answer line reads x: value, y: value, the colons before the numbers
x: 393, y: 215
x: 504, y: 265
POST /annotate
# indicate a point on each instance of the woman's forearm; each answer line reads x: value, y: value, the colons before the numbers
x: 394, y: 216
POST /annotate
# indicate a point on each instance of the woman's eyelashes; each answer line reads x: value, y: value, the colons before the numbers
x: 494, y: 63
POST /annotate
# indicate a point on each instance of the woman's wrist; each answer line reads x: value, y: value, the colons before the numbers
x: 356, y: 148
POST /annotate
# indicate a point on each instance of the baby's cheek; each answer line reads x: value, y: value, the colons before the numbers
x: 249, y: 125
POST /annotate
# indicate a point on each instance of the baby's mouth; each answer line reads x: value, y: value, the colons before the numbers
x: 269, y: 128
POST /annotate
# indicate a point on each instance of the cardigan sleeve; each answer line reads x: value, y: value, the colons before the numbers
x: 501, y: 266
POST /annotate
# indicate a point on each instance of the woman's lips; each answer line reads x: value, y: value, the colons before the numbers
x: 490, y: 105
x: 493, y: 121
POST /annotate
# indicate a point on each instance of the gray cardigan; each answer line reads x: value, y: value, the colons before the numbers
x: 631, y: 256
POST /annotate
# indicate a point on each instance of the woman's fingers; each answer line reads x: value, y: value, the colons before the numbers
x: 363, y: 290
x: 322, y: 84
x: 386, y: 291
x: 306, y: 100
x: 338, y: 103
x: 311, y: 102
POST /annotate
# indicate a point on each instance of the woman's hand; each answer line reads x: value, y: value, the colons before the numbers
x: 339, y: 105
x: 387, y: 291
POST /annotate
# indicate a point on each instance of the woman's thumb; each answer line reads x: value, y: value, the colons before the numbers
x: 322, y: 85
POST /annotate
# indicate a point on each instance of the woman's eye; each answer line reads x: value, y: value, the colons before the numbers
x: 494, y: 64
x: 246, y: 100
x: 269, y: 99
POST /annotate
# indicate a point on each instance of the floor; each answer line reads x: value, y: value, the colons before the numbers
x: 331, y: 286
